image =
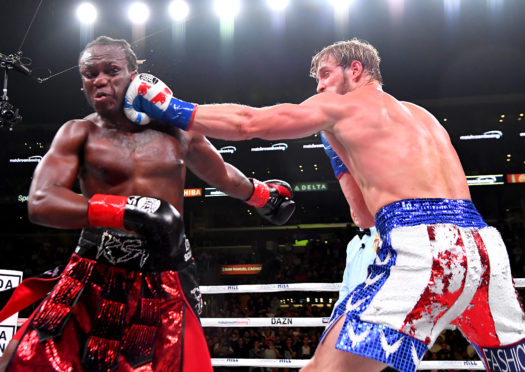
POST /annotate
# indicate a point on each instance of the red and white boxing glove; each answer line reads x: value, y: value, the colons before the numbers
x: 148, y: 97
x: 272, y: 199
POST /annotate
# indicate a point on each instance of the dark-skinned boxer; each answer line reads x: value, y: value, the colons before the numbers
x: 128, y: 299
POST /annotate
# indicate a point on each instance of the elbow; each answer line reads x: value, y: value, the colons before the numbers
x: 250, y: 126
x: 35, y: 203
x: 364, y: 222
x: 268, y: 122
x: 247, y: 130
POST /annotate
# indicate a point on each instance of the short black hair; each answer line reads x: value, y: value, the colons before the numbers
x: 121, y: 43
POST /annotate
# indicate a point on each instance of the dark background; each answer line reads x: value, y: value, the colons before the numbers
x: 462, y: 60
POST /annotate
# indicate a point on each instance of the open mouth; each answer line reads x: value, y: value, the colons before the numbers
x: 100, y: 96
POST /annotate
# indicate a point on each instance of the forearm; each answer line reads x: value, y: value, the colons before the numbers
x: 58, y: 207
x: 237, y: 122
x: 207, y: 164
x: 362, y: 217
x: 236, y: 185
x: 225, y: 121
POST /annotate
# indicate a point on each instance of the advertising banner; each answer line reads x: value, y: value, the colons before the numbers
x: 9, y: 279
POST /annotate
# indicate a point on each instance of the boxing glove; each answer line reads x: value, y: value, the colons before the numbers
x: 273, y: 200
x: 154, y: 218
x: 148, y: 97
x: 337, y: 164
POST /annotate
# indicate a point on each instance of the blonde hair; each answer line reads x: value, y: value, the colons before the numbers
x: 345, y: 52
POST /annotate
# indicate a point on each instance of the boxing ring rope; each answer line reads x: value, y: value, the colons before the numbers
x: 298, y: 322
x: 292, y: 287
x: 299, y: 363
x: 265, y: 322
x: 264, y: 288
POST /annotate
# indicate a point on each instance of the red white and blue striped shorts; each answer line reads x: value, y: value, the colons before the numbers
x: 438, y: 264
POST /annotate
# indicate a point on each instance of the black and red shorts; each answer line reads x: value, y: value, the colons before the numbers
x: 109, y: 312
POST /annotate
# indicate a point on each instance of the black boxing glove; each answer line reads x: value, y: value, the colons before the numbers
x: 154, y: 218
x: 272, y: 199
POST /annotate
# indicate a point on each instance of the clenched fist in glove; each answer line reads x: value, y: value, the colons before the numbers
x: 154, y: 218
x: 148, y: 97
x: 272, y: 200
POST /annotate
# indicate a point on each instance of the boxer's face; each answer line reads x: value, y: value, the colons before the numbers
x: 332, y: 77
x: 105, y: 77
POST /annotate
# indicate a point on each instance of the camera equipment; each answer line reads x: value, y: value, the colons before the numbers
x: 14, y: 61
x: 9, y: 115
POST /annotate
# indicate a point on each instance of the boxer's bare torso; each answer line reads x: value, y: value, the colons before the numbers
x: 395, y: 150
x: 109, y: 154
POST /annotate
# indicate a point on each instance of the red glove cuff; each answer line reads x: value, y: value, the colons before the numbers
x: 192, y: 117
x: 341, y: 174
x: 260, y: 195
x: 107, y: 210
x: 281, y: 190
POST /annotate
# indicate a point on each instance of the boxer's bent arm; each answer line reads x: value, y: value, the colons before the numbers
x: 359, y: 211
x: 206, y: 162
x: 52, y: 202
x: 353, y: 195
x: 238, y: 122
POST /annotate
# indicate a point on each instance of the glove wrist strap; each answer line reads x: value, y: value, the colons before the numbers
x: 260, y: 195
x: 179, y: 113
x: 107, y: 210
x: 337, y: 164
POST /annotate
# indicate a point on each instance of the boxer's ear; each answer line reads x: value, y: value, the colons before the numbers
x: 356, y: 68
